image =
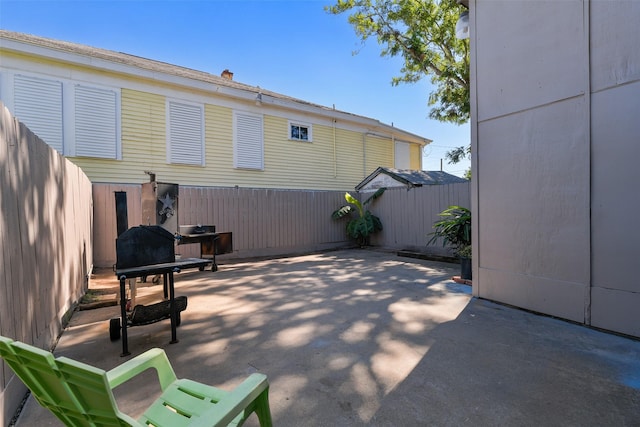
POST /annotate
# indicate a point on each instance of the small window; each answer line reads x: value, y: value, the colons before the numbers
x: 300, y: 131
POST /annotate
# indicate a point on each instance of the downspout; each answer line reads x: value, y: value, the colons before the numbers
x: 393, y: 150
x: 335, y: 157
x: 364, y: 154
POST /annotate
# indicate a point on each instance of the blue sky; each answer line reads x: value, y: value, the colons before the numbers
x: 291, y: 47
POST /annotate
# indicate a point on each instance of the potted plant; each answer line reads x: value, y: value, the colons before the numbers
x: 455, y: 230
x: 363, y: 225
x: 465, y: 262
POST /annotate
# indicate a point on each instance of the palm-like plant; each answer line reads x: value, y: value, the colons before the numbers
x: 454, y: 229
x: 365, y: 224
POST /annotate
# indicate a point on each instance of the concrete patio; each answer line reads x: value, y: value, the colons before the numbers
x: 363, y: 337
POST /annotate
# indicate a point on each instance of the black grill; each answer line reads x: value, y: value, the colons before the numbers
x: 211, y: 242
x: 144, y: 245
x: 144, y: 251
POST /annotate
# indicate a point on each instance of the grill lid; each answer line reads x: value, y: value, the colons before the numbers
x: 144, y: 245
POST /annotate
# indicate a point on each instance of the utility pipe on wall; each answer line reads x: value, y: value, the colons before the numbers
x: 335, y: 159
x: 393, y: 149
x: 364, y: 155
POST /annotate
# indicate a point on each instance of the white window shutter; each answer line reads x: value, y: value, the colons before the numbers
x: 96, y: 122
x: 38, y: 104
x: 248, y: 144
x: 402, y: 156
x: 186, y: 140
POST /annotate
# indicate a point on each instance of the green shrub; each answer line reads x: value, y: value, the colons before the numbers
x: 365, y: 224
x: 454, y: 229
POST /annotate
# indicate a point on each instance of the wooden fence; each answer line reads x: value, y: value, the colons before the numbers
x: 408, y: 216
x: 268, y: 222
x: 46, y: 233
x: 264, y: 222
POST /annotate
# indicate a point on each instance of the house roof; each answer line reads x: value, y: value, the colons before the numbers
x: 413, y: 178
x: 124, y: 63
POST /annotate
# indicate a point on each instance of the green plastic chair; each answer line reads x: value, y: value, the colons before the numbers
x: 81, y: 395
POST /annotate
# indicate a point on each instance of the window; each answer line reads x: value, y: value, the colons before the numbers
x: 402, y: 156
x: 76, y: 120
x: 300, y: 131
x: 38, y: 104
x: 185, y: 133
x: 96, y: 130
x: 248, y: 144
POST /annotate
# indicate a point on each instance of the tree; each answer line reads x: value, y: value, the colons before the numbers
x: 423, y: 33
x: 457, y: 154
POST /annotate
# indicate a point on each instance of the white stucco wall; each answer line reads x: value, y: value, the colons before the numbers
x: 615, y: 173
x: 555, y: 125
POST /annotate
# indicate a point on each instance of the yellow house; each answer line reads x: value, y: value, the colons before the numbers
x: 120, y: 117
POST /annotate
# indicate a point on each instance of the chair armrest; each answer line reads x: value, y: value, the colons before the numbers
x: 233, y: 403
x: 154, y: 358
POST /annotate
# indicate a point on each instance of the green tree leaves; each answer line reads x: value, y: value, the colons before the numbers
x: 423, y: 33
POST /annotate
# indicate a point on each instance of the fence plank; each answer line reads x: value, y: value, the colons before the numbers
x: 408, y: 216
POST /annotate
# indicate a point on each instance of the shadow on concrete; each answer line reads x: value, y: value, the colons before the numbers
x: 361, y: 337
x: 499, y: 366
